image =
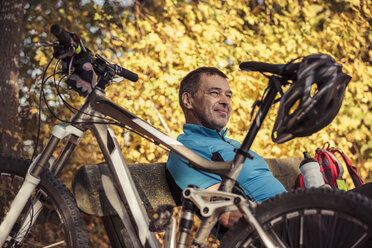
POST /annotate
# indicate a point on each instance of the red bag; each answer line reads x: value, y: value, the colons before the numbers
x: 332, y: 169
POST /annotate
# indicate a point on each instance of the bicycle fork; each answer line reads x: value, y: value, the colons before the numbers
x: 31, y: 181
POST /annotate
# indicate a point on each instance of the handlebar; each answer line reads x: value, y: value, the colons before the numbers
x: 69, y: 40
x: 126, y: 73
x: 100, y: 63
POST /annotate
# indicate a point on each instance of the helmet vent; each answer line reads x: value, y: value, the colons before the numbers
x: 294, y: 107
x: 314, y: 89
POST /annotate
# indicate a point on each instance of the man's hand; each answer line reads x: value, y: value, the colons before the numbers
x: 228, y: 219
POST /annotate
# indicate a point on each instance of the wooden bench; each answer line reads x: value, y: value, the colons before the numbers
x: 151, y: 184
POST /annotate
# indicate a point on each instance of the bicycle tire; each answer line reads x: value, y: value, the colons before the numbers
x: 331, y: 218
x: 59, y: 224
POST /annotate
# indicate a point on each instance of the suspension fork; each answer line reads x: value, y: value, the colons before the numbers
x: 186, y: 222
x: 32, y: 179
x: 73, y: 141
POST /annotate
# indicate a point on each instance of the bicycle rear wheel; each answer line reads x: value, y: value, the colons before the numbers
x: 59, y: 223
x: 309, y: 218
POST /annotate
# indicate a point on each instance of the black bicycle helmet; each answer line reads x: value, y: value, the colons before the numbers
x: 303, y: 110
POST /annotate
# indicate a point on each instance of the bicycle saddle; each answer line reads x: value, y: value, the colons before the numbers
x: 288, y: 69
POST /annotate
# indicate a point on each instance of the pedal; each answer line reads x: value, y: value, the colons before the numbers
x: 161, y: 218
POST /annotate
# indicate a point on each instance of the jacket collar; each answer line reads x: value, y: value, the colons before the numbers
x: 192, y: 128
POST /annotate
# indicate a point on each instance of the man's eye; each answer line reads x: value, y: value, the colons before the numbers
x: 214, y: 93
x: 229, y: 96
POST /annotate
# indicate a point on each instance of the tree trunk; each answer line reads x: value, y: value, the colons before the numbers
x: 11, y: 15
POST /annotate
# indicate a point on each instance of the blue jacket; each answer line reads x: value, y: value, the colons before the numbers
x: 255, y: 175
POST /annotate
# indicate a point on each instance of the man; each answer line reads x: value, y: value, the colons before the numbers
x: 205, y: 100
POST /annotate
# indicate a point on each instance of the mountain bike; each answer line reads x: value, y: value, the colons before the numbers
x: 37, y: 210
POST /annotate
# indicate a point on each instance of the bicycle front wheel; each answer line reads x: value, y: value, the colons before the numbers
x: 309, y: 218
x: 58, y: 223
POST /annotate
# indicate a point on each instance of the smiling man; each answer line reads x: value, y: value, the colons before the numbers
x: 210, y: 105
x: 205, y: 97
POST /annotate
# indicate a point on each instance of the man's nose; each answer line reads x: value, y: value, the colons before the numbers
x: 224, y: 99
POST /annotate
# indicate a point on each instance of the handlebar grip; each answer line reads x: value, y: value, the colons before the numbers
x: 120, y: 71
x: 63, y: 36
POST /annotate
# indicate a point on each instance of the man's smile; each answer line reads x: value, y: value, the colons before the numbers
x: 221, y: 111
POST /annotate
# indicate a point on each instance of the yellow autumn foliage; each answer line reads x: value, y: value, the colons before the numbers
x: 162, y: 45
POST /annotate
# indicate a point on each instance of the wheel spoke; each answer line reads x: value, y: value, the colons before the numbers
x: 55, y: 244
x: 291, y: 220
x: 333, y: 232
x: 301, y: 241
x: 320, y: 230
x: 289, y: 234
x: 274, y: 233
x: 361, y: 239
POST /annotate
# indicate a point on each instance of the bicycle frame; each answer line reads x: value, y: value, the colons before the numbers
x: 90, y: 116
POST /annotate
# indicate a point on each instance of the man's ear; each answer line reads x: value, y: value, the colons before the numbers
x: 187, y: 100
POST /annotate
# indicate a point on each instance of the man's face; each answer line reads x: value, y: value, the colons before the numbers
x: 211, y: 104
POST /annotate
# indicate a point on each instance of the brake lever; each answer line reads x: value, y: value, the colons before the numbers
x: 43, y: 44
